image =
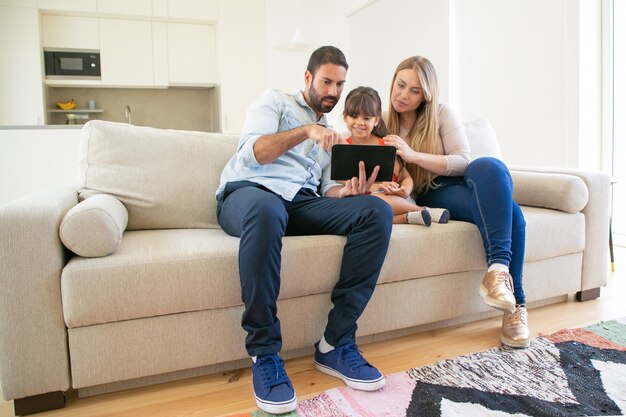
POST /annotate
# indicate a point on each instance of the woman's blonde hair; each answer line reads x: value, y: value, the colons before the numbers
x: 423, y: 135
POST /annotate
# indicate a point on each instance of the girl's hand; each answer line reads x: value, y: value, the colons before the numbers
x: 393, y: 188
x: 403, y: 150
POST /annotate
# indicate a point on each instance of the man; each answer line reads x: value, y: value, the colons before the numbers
x: 269, y: 189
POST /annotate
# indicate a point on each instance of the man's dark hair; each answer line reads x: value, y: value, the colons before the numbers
x: 326, y: 55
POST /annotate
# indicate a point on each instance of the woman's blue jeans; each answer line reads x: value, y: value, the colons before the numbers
x: 484, y: 197
x: 261, y: 219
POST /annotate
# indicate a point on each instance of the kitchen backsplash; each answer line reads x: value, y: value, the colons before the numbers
x: 171, y: 108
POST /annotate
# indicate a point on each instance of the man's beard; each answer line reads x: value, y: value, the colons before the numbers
x: 317, y: 101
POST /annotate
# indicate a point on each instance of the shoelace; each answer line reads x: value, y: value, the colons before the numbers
x: 519, y: 315
x: 503, y: 276
x: 352, y: 357
x: 272, y: 370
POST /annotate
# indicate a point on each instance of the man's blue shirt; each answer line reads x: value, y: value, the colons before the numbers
x: 300, y: 167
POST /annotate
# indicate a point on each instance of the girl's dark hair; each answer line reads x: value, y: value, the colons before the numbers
x: 366, y: 101
x: 326, y: 55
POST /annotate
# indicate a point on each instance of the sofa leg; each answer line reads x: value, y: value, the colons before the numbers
x: 587, y: 295
x: 39, y: 403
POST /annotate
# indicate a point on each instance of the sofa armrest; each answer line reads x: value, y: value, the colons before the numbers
x: 596, y: 260
x: 33, y: 337
x: 556, y: 191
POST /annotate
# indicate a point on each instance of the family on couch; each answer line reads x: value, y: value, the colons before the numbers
x: 269, y: 189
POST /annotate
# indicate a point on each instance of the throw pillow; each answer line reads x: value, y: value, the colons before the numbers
x: 94, y: 227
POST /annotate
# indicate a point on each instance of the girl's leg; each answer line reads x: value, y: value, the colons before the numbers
x: 398, y: 204
x: 400, y: 219
x: 420, y: 215
x: 402, y: 207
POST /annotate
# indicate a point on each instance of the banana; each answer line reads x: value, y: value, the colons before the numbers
x: 68, y: 105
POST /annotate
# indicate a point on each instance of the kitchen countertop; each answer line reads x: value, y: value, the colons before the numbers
x: 31, y: 127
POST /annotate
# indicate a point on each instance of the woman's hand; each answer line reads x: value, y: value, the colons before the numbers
x: 403, y: 150
x: 393, y: 188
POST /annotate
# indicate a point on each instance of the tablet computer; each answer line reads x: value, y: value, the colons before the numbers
x: 345, y: 159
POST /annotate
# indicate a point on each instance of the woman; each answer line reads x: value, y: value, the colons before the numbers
x: 432, y: 142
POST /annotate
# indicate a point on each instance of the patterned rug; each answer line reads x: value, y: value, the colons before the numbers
x: 579, y: 372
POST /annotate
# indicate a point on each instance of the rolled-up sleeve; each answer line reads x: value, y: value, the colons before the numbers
x: 262, y: 118
x: 325, y: 182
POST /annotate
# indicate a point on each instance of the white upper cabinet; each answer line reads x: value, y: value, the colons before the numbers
x: 193, y: 9
x: 70, y: 32
x: 126, y: 53
x: 142, y: 43
x: 196, y: 10
x: 88, y: 6
x: 191, y: 54
x: 126, y: 7
x: 159, y: 50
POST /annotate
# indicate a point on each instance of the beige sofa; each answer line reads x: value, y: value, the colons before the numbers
x: 165, y: 302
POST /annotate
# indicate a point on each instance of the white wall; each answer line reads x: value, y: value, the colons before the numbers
x: 387, y: 31
x: 532, y: 67
x: 515, y: 65
x: 242, y: 58
x: 34, y: 159
x: 19, y: 43
x: 322, y: 23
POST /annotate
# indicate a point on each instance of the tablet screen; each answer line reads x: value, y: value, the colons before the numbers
x: 345, y: 161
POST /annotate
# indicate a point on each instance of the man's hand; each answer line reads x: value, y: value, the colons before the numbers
x: 324, y: 136
x: 360, y: 185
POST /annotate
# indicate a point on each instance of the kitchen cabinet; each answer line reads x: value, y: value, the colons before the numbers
x: 159, y: 50
x: 196, y: 10
x: 70, y: 32
x: 84, y: 6
x: 126, y: 53
x: 191, y: 54
x: 125, y: 7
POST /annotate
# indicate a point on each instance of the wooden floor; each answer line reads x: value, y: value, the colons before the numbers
x: 229, y: 393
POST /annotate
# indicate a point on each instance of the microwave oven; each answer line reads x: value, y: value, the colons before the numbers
x: 75, y: 64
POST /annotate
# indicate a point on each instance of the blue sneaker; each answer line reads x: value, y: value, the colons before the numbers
x: 347, y: 363
x: 272, y: 388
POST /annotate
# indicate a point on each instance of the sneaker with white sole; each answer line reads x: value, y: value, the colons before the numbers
x: 515, y: 328
x: 347, y: 363
x: 496, y: 291
x: 272, y: 388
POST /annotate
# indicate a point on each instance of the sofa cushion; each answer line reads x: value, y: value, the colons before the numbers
x: 141, y: 167
x: 482, y: 139
x: 158, y: 272
x: 94, y: 227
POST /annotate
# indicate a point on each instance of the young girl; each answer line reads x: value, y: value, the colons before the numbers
x: 363, y: 117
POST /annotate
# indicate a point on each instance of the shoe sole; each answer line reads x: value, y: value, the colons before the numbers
x: 352, y: 383
x: 277, y: 408
x: 495, y: 303
x: 518, y: 344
